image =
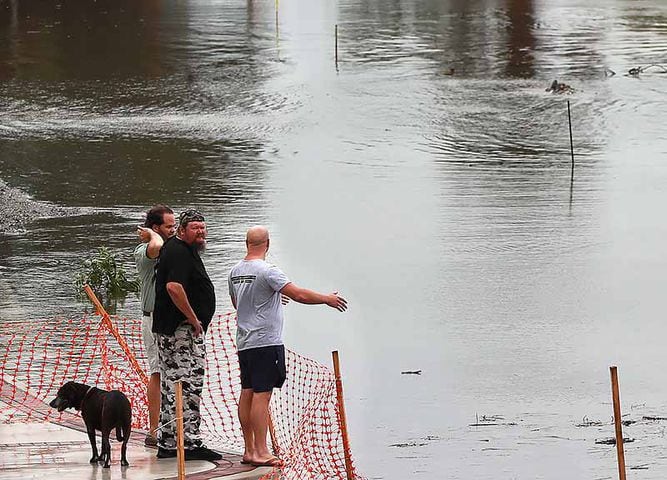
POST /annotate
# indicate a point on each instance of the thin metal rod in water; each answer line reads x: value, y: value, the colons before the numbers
x: 617, y: 421
x: 569, y: 119
x: 336, y: 35
x: 341, y: 416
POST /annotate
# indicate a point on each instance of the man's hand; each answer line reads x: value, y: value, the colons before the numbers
x: 196, y: 325
x: 337, y: 302
x: 144, y: 234
x: 284, y: 299
x: 154, y: 240
x: 309, y: 297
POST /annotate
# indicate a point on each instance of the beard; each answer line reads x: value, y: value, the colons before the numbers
x: 200, y: 246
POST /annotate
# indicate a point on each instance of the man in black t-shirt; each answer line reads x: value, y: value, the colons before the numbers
x: 184, y: 307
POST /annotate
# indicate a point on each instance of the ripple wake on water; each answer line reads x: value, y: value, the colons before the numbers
x: 527, y: 127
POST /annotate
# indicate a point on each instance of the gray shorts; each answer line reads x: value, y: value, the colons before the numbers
x: 150, y: 344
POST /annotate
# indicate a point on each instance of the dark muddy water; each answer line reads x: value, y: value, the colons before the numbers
x: 440, y: 205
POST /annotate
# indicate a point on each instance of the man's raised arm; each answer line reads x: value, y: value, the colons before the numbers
x: 155, y: 241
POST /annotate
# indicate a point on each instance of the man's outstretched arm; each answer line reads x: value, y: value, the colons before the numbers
x: 309, y: 297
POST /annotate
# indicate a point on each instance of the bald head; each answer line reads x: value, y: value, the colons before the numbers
x: 257, y: 241
x: 257, y: 235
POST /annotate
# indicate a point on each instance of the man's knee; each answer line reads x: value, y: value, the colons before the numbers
x: 261, y: 397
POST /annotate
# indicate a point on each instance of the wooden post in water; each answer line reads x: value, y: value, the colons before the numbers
x: 617, y: 421
x: 180, y: 449
x: 569, y: 120
x: 336, y: 43
x: 341, y: 416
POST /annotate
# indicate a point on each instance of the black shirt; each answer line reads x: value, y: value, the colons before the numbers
x: 181, y: 263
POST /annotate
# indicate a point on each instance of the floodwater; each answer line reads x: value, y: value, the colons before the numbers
x: 440, y: 205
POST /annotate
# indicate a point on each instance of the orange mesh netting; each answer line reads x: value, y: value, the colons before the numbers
x: 37, y: 360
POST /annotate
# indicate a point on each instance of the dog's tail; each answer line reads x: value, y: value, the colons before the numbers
x: 123, y: 432
x: 124, y: 428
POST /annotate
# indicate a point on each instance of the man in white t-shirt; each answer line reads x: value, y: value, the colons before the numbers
x: 255, y: 288
x: 160, y: 224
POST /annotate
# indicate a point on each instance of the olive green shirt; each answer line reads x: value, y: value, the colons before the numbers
x: 146, y: 270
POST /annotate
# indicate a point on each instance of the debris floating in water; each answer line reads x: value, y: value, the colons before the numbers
x: 490, y: 421
x: 408, y: 444
x: 635, y: 71
x: 653, y: 419
x: 411, y: 372
x: 585, y: 422
x: 558, y: 87
x: 417, y: 443
x: 612, y: 441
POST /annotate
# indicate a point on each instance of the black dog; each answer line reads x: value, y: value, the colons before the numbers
x: 100, y: 410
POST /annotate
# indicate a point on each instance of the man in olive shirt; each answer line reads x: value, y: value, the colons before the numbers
x: 160, y: 225
x: 184, y: 307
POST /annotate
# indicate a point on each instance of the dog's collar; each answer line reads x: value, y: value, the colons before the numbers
x: 84, y: 397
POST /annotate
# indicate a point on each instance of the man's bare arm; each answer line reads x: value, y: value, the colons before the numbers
x: 309, y: 297
x: 179, y: 297
x: 154, y: 240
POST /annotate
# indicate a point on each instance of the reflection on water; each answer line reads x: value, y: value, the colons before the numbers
x: 428, y: 179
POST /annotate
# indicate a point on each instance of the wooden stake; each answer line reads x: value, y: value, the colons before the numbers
x: 180, y: 449
x: 341, y: 416
x: 106, y: 321
x: 617, y: 421
x: 569, y: 119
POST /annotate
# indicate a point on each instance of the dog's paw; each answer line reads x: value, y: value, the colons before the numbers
x: 124, y: 463
x: 106, y: 465
x: 94, y: 459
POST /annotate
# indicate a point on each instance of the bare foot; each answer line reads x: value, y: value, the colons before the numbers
x: 267, y: 462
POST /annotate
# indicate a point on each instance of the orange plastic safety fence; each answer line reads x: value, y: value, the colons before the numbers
x: 37, y: 360
x: 43, y: 355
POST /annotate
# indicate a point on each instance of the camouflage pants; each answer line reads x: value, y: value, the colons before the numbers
x: 182, y: 358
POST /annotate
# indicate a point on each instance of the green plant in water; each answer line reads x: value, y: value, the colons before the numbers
x: 106, y: 278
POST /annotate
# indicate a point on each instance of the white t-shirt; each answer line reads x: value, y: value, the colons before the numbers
x: 254, y: 286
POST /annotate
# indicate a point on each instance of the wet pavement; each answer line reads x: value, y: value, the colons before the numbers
x: 48, y: 451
